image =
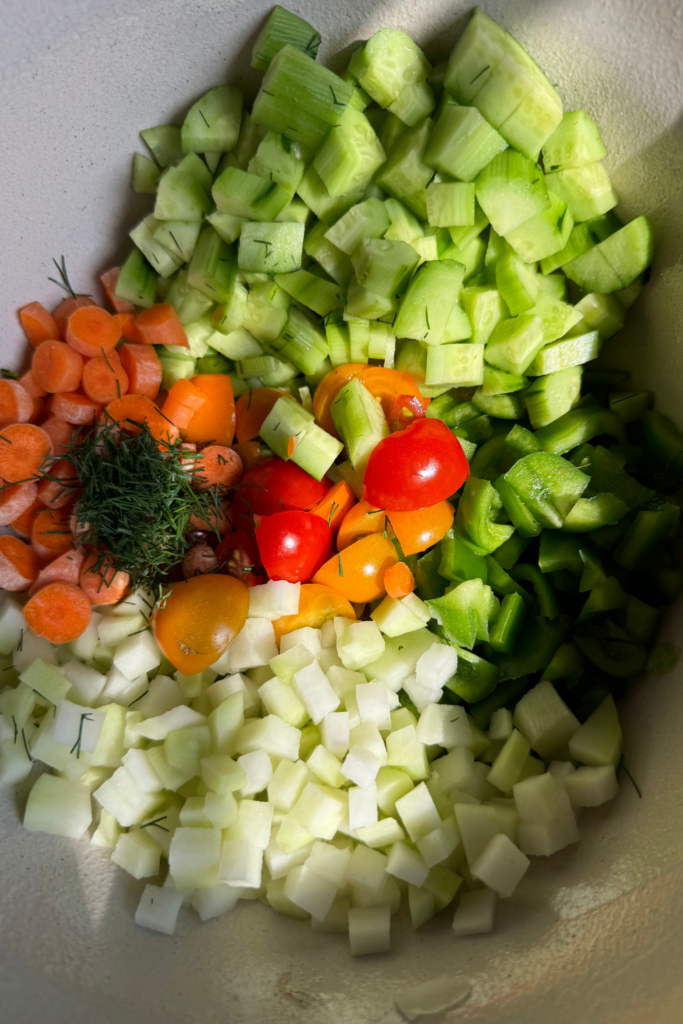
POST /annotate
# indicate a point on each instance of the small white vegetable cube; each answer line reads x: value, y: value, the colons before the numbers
x: 307, y: 636
x: 58, y: 806
x: 120, y: 689
x: 321, y: 810
x: 224, y: 688
x: 143, y: 774
x: 394, y: 618
x: 330, y: 862
x: 352, y: 709
x: 445, y: 725
x: 560, y: 769
x: 541, y: 798
x: 344, y: 681
x: 500, y: 726
x: 85, y: 645
x: 369, y: 930
x: 78, y: 728
x: 388, y: 896
x: 501, y: 866
x: 254, y: 645
x: 241, y: 863
x: 163, y: 694
x: 592, y: 786
x: 159, y: 728
x: 225, y: 723
x: 115, y: 628
x: 277, y: 738
x: 139, y: 600
x: 12, y: 622
x: 280, y: 863
x: 87, y: 683
x: 214, y: 902
x: 598, y: 741
x: 334, y: 732
x: 367, y: 868
x: 436, y: 846
x: 417, y: 607
x: 291, y: 835
x: 436, y: 666
x: 383, y: 833
x: 32, y: 648
x: 314, y: 690
x: 16, y: 705
x: 107, y: 832
x: 359, y: 644
x: 194, y: 857
x: 279, y: 698
x: 253, y: 824
x: 47, y: 682
x: 123, y: 798
x: 158, y: 909
x: 310, y: 891
x: 221, y: 774
x: 406, y: 864
x: 543, y: 838
x: 405, y: 751
x: 328, y: 634
x: 15, y: 764
x: 221, y: 809
x: 476, y: 912
x: 326, y: 767
x: 290, y: 661
x: 138, y: 854
x: 458, y: 770
x: 418, y: 813
x: 543, y: 717
x: 373, y: 704
x: 421, y: 694
x: 422, y: 907
x: 361, y: 766
x: 337, y: 919
x: 259, y: 771
x: 137, y: 654
x: 362, y: 806
x: 328, y: 658
x: 478, y: 824
x: 287, y: 784
x: 273, y: 599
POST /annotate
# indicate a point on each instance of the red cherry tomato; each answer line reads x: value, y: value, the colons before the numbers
x: 293, y: 545
x: 415, y: 467
x: 275, y: 486
x: 238, y: 556
x: 405, y: 410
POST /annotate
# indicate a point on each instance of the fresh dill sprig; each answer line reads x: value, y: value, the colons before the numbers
x: 64, y: 281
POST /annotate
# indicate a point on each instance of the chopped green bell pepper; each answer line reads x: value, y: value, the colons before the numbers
x: 478, y: 508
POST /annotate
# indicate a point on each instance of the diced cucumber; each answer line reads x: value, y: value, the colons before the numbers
x: 145, y: 174
x: 462, y: 143
x: 270, y: 248
x: 587, y: 190
x: 574, y: 143
x: 544, y: 234
x: 350, y: 154
x: 180, y: 196
x: 175, y: 367
x: 164, y: 262
x: 333, y: 261
x: 510, y: 190
x: 301, y: 342
x: 164, y: 141
x: 500, y: 382
x: 178, y: 237
x: 515, y: 343
x: 281, y: 29
x: 451, y: 204
x: 557, y: 317
x: 360, y: 422
x: 503, y: 407
x: 405, y: 171
x: 277, y: 159
x: 212, y: 124
x: 387, y: 64
x: 598, y: 741
x: 189, y: 304
x: 455, y: 365
x: 265, y: 314
x: 384, y: 266
x: 311, y: 290
x: 247, y: 195
x: 485, y: 309
x: 552, y: 396
x: 237, y: 345
x: 368, y: 219
x: 517, y: 283
x: 328, y: 208
x: 413, y: 104
x: 137, y: 281
x: 570, y: 351
x: 601, y: 313
x: 213, y: 268
x: 404, y: 227
x: 429, y: 301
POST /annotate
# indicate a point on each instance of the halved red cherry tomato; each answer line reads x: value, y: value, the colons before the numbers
x: 293, y: 545
x: 275, y: 486
x: 405, y: 410
x: 416, y: 467
x: 238, y: 556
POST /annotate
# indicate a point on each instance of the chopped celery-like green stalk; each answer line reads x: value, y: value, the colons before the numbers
x: 270, y: 248
x: 212, y: 125
x: 310, y: 290
x: 283, y: 28
x: 552, y: 396
x: 387, y: 64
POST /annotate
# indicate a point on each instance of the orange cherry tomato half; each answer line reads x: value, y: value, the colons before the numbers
x: 361, y: 521
x: 317, y: 604
x: 399, y: 581
x: 199, y: 620
x: 215, y: 421
x: 357, y: 572
x: 417, y: 531
x: 385, y: 385
x: 252, y: 409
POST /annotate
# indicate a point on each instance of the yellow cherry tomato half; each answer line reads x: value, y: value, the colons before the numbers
x: 357, y: 572
x: 419, y: 530
x: 317, y: 604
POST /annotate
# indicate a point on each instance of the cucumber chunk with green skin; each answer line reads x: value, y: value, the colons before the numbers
x: 545, y: 234
x: 277, y: 159
x: 145, y: 175
x: 517, y: 283
x: 384, y: 266
x: 333, y: 261
x: 193, y: 165
x: 137, y: 281
x: 500, y: 382
x: 270, y: 248
x: 213, y: 268
x: 248, y: 195
x: 237, y: 345
x: 602, y: 313
x: 552, y: 396
x: 164, y: 142
x: 350, y: 154
x: 178, y: 237
x: 404, y: 227
x: 283, y: 28
x: 250, y: 137
x: 189, y: 304
x: 429, y: 302
x: 515, y: 343
x: 266, y: 311
x: 310, y: 290
x: 368, y: 219
x: 228, y: 226
x: 291, y: 432
x: 455, y: 365
x: 413, y: 104
x: 502, y: 407
x: 451, y: 203
x: 411, y: 358
x: 387, y: 64
x: 337, y: 333
x: 587, y: 190
x: 462, y: 143
x: 360, y: 422
x: 576, y: 427
x: 365, y: 304
x: 574, y: 143
x: 485, y: 309
x: 328, y: 208
x: 566, y: 352
x: 616, y: 262
x: 163, y: 261
x: 301, y: 342
x: 300, y: 98
x: 181, y: 197
x: 557, y: 317
x: 212, y: 125
x: 510, y: 190
x: 458, y: 327
x: 405, y: 171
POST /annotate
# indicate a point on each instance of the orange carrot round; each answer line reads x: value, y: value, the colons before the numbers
x: 132, y: 410
x: 215, y: 522
x: 160, y: 325
x: 129, y: 328
x: 23, y: 450
x: 38, y: 324
x: 15, y: 499
x: 16, y: 405
x: 109, y: 281
x: 104, y: 379
x: 143, y: 367
x: 19, y: 564
x: 399, y: 580
x: 58, y: 485
x: 23, y: 524
x: 74, y: 408
x: 59, y: 612
x: 183, y: 401
x: 92, y: 331
x: 220, y: 466
x: 102, y: 583
x: 65, y: 569
x: 30, y: 384
x: 39, y: 410
x: 51, y: 535
x: 60, y: 432
x: 334, y: 507
x: 215, y: 421
x: 251, y: 410
x: 57, y: 367
x: 65, y: 308
x: 252, y: 453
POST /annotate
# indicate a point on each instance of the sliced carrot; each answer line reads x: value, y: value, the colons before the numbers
x: 23, y: 450
x: 60, y: 432
x: 216, y: 522
x: 252, y: 453
x: 160, y: 325
x: 252, y: 409
x: 362, y: 520
x: 39, y: 410
x: 161, y: 398
x: 51, y: 535
x: 399, y: 580
x: 317, y: 604
x: 129, y: 328
x: 59, y: 612
x: 75, y: 408
x: 216, y: 420
x: 143, y: 367
x: 104, y: 379
x: 57, y: 367
x: 184, y: 400
x: 16, y: 405
x: 92, y: 331
x: 102, y: 583
x: 19, y: 564
x: 65, y: 308
x: 38, y: 324
x: 220, y: 466
x: 15, y: 499
x: 58, y: 485
x: 109, y: 281
x: 132, y: 410
x: 23, y: 524
x: 30, y: 384
x: 334, y: 507
x: 65, y: 569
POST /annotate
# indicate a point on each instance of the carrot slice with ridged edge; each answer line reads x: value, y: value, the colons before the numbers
x: 24, y: 448
x: 57, y: 367
x: 59, y: 612
x: 92, y: 331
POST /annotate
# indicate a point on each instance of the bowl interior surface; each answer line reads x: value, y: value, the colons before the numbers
x: 593, y: 933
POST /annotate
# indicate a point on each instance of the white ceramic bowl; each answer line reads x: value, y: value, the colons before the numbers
x: 594, y: 934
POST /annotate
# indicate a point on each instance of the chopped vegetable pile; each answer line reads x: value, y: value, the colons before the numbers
x: 332, y: 544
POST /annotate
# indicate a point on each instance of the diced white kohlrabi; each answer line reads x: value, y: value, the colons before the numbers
x: 122, y: 690
x: 30, y: 648
x: 185, y: 747
x: 194, y: 858
x: 291, y: 835
x: 107, y: 833
x: 290, y: 661
x: 221, y: 809
x: 225, y: 723
x: 361, y: 766
x: 590, y: 786
x: 315, y: 692
x: 87, y: 683
x: 389, y: 895
x: 437, y: 665
x: 193, y: 812
x: 47, y: 682
x: 541, y: 798
x: 417, y: 607
x: 158, y: 909
x: 369, y: 930
x: 560, y: 769
x: 418, y: 813
x: 123, y: 798
x: 445, y: 725
x: 138, y: 854
x: 287, y: 784
x: 406, y: 864
x: 215, y: 902
x: 544, y: 719
x: 543, y: 838
x: 344, y: 681
x: 274, y: 599
x: 137, y: 654
x: 367, y: 869
x: 281, y: 904
x: 392, y: 783
x: 241, y: 864
x: 159, y: 728
x: 77, y: 727
x: 85, y: 645
x: 328, y: 634
x: 359, y: 644
x: 259, y: 771
x: 15, y: 763
x: 458, y: 770
x: 330, y: 862
x: 310, y: 891
x: 162, y: 695
x: 439, y: 844
x: 172, y: 778
x: 334, y: 732
x: 328, y: 658
x: 501, y: 866
x: 6, y: 730
x: 281, y: 699
x: 17, y: 704
x: 254, y: 645
x: 500, y: 726
x: 478, y: 824
x: 362, y: 806
x: 254, y: 823
x: 221, y: 774
x: 280, y: 863
x: 271, y: 734
x: 115, y: 628
x: 140, y: 600
x: 193, y: 686
x: 395, y: 619
x: 162, y: 825
x: 367, y: 735
x: 421, y: 694
x: 320, y: 810
x: 598, y: 741
x: 326, y: 767
x: 12, y: 623
x: 383, y: 833
x: 110, y: 748
x: 133, y: 740
x: 351, y: 705
x: 422, y: 908
x: 476, y: 912
x: 405, y: 751
x: 143, y: 774
x: 58, y: 806
x: 307, y: 636
x: 224, y: 688
x: 373, y: 704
